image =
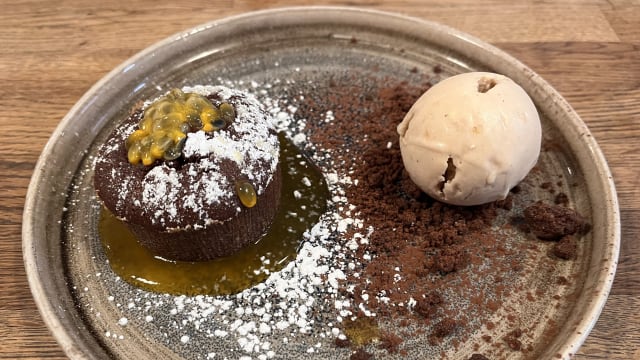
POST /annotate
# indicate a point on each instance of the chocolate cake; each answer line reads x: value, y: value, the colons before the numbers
x: 198, y: 188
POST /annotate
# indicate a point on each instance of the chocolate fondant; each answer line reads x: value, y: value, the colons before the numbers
x: 187, y: 209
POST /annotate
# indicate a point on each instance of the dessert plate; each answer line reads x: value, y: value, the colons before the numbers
x: 283, y: 56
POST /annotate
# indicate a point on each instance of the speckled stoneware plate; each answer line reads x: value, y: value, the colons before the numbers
x: 274, y: 54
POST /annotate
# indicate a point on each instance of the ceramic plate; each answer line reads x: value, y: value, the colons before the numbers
x: 285, y: 56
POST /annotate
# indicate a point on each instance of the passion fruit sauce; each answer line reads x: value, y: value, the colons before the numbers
x: 303, y: 199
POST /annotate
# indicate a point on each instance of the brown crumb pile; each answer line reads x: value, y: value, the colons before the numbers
x: 557, y: 223
x: 424, y: 241
x: 420, y: 250
x: 552, y: 222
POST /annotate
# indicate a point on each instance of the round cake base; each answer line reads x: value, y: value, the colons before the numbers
x: 217, y: 239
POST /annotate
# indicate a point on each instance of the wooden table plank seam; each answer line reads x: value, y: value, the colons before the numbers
x: 54, y: 51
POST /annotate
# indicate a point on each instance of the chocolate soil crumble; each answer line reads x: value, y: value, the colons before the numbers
x: 419, y: 250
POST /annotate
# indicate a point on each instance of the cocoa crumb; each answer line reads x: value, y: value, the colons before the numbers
x: 514, y: 344
x: 427, y: 306
x: 551, y: 222
x: 506, y: 203
x: 516, y: 332
x: 566, y: 248
x: 450, y: 259
x: 444, y: 328
x: 361, y: 354
x: 561, y: 199
x: 478, y: 357
x: 549, y: 187
x: 390, y: 342
x: 343, y: 342
x: 512, y: 339
x: 530, y: 297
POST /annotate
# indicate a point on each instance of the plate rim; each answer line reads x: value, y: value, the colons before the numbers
x: 612, y: 212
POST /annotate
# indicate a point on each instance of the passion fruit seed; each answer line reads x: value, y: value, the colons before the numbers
x: 162, y: 132
x: 228, y: 114
x: 218, y: 124
x: 174, y: 152
x: 246, y: 193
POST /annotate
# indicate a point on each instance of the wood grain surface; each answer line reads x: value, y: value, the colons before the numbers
x: 54, y: 51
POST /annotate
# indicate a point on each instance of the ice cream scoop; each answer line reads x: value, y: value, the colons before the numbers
x: 470, y: 138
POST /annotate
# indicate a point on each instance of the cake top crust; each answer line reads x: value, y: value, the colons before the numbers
x: 197, y: 189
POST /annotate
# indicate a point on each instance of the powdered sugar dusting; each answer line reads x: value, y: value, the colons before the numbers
x: 252, y: 141
x: 161, y: 184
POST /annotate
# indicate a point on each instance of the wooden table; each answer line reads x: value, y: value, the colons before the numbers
x: 51, y: 52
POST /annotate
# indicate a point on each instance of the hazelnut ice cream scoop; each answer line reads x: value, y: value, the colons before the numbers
x: 470, y: 138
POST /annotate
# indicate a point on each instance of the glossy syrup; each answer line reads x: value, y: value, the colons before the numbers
x: 301, y: 204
